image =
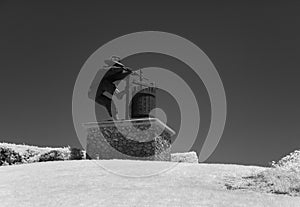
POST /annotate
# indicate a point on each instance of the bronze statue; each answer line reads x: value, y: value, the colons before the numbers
x: 115, y: 71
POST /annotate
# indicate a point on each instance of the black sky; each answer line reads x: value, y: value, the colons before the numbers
x: 254, y: 46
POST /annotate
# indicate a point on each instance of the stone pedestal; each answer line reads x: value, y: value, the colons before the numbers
x: 138, y: 139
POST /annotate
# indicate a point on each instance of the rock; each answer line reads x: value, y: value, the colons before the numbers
x: 190, y: 157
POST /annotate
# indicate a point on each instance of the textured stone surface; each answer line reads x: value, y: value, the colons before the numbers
x: 139, y: 139
x: 190, y: 157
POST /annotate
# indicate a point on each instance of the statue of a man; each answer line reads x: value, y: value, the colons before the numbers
x: 115, y: 71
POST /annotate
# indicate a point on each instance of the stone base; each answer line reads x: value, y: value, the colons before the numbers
x: 136, y: 139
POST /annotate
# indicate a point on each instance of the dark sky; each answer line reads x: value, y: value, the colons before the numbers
x: 254, y: 46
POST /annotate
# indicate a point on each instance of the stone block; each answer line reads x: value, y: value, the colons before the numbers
x: 137, y: 139
x: 190, y: 157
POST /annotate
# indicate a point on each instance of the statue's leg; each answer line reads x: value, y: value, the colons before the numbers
x: 113, y: 111
x: 107, y: 86
x: 108, y: 104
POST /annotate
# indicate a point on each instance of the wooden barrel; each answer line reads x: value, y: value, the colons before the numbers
x: 142, y: 103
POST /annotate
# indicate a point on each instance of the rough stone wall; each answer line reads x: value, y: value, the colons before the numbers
x: 138, y: 141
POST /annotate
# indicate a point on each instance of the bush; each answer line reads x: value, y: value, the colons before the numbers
x: 21, y: 153
x: 53, y: 155
x: 30, y: 156
x: 76, y: 154
x: 9, y: 156
x: 289, y: 162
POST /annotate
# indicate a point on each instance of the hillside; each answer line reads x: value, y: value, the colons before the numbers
x: 86, y: 183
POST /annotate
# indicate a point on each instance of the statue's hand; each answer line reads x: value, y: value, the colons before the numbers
x: 127, y: 69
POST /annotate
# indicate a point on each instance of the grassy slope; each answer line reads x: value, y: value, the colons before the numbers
x: 85, y: 183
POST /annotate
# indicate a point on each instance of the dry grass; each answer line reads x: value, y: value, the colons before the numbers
x: 86, y: 183
x: 282, y: 178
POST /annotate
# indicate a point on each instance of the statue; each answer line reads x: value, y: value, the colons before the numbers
x: 138, y: 90
x: 143, y: 136
x: 114, y: 71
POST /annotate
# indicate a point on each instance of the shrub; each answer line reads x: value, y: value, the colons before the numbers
x: 65, y: 152
x: 9, y: 156
x: 30, y: 156
x: 53, y: 155
x: 289, y: 162
x: 76, y: 154
x: 21, y: 153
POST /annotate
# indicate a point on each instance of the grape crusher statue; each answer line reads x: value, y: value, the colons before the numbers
x: 140, y: 136
x: 142, y: 92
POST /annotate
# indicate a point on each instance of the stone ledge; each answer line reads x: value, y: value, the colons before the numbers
x: 125, y: 122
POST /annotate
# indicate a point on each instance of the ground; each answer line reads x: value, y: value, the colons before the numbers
x: 87, y: 183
